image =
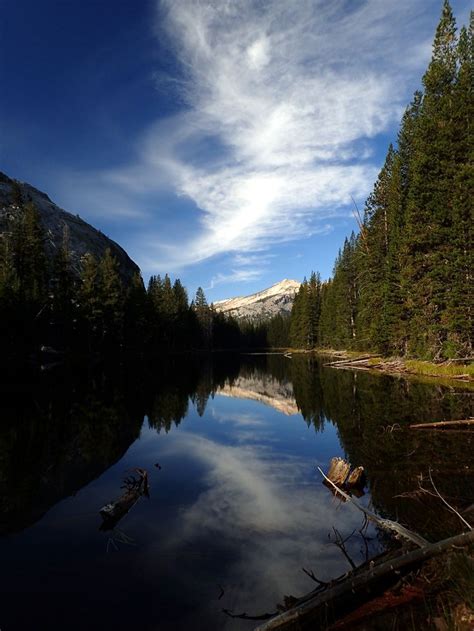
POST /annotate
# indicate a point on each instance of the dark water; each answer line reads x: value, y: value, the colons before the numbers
x: 237, y: 508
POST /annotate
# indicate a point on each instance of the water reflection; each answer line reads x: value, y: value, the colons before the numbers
x: 236, y: 507
x: 266, y: 390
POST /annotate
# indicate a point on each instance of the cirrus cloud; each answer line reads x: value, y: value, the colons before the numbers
x: 280, y: 108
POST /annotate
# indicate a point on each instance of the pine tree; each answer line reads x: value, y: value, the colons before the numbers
x: 204, y: 316
x: 299, y: 327
x: 112, y: 298
x: 379, y: 299
x: 460, y: 302
x: 63, y: 289
x: 137, y: 315
x: 314, y: 308
x: 31, y: 259
x: 91, y: 310
x: 428, y: 271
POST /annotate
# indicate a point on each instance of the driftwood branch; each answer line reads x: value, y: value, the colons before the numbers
x: 387, y: 524
x: 312, y: 604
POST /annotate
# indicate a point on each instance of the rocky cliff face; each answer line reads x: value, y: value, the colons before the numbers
x: 277, y: 299
x: 83, y: 237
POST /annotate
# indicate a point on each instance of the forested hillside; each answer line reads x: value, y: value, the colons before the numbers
x: 404, y: 284
x: 53, y: 302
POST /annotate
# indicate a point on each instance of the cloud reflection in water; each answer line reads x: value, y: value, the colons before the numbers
x: 259, y: 511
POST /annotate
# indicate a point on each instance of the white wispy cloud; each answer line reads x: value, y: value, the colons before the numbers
x: 280, y: 105
x: 288, y: 95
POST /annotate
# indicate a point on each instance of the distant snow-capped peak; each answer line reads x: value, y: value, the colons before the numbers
x: 277, y: 299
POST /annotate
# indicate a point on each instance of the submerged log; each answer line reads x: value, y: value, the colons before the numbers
x: 444, y: 424
x: 349, y: 593
x: 135, y: 488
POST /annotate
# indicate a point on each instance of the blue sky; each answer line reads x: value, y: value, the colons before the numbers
x: 220, y: 141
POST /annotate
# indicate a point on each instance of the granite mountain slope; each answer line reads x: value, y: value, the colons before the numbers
x: 83, y: 237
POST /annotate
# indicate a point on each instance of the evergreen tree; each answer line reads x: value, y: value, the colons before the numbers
x: 30, y: 258
x: 136, y: 315
x: 63, y: 290
x: 460, y: 301
x: 300, y: 317
x: 91, y: 311
x: 314, y: 309
x: 112, y: 299
x: 204, y: 317
x: 429, y: 269
x: 377, y: 258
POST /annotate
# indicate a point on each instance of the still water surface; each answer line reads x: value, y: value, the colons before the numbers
x: 237, y: 507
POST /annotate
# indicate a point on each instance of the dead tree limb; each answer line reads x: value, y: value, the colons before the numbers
x: 387, y: 524
x: 451, y: 508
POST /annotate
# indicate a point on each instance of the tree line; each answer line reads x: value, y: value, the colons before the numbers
x: 46, y: 303
x: 404, y: 284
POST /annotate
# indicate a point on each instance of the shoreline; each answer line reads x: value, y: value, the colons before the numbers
x: 451, y: 370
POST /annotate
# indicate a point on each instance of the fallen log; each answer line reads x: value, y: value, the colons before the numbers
x: 347, y: 594
x: 443, y: 424
x: 351, y: 360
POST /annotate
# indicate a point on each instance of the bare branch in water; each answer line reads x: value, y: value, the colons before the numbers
x: 340, y: 543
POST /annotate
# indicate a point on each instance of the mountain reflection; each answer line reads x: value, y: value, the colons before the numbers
x: 268, y: 391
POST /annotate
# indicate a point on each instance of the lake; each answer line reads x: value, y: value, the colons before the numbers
x: 236, y: 506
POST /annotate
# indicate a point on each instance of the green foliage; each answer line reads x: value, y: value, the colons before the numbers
x: 404, y: 285
x: 306, y: 314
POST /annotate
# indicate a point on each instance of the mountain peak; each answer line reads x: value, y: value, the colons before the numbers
x: 277, y: 299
